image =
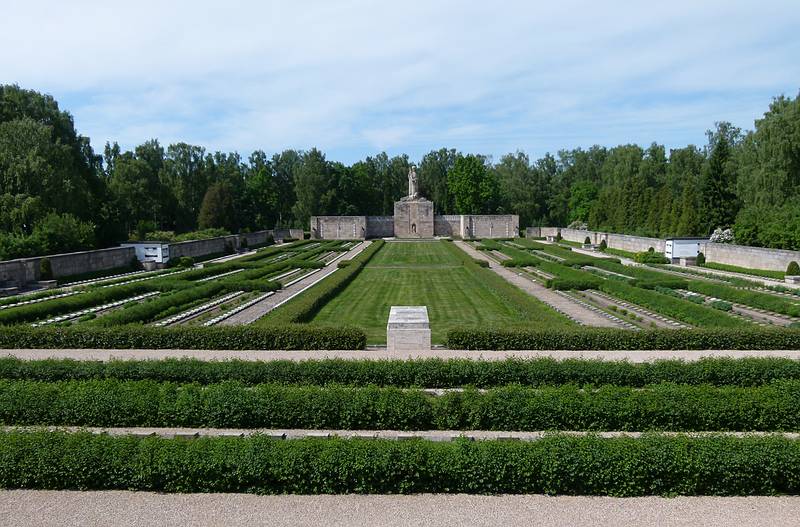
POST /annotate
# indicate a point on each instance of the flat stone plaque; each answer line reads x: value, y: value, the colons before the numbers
x: 408, y: 329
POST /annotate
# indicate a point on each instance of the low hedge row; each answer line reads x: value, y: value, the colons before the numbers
x: 429, y: 373
x: 303, y: 307
x: 231, y: 404
x: 775, y: 275
x: 286, y: 337
x: 747, y: 297
x: 162, y: 306
x: 676, y: 308
x: 58, y: 306
x: 745, y: 338
x: 562, y: 284
x: 557, y: 464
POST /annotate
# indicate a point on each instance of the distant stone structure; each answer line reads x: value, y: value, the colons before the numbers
x: 414, y: 218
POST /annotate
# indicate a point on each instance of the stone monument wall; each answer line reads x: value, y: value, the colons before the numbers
x: 449, y: 225
x: 750, y: 257
x: 380, y: 226
x: 413, y: 219
x: 23, y: 270
x: 338, y: 227
x: 491, y: 226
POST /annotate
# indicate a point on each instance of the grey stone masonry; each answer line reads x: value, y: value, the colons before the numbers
x: 408, y: 329
x: 413, y: 219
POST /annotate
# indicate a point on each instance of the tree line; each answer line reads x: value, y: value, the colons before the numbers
x: 58, y: 194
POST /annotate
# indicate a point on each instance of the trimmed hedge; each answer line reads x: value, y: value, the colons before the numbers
x: 230, y: 404
x: 775, y: 275
x: 746, y: 338
x: 58, y: 306
x: 303, y: 307
x: 747, y: 297
x: 142, y: 337
x: 557, y: 464
x: 676, y: 308
x: 429, y: 373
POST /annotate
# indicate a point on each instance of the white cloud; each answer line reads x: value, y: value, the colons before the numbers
x: 353, y: 77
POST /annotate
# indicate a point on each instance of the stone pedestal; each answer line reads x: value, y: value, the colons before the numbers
x: 408, y: 329
x: 413, y: 218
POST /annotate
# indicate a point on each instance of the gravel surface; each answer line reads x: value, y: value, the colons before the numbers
x: 382, y: 354
x: 70, y: 508
x: 562, y: 304
x: 300, y: 433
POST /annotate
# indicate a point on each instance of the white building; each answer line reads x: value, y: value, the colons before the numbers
x: 155, y: 252
x: 676, y: 249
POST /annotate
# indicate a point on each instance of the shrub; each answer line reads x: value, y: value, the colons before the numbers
x: 243, y: 243
x: 482, y: 263
x: 651, y: 257
x: 721, y: 305
x: 603, y: 245
x: 747, y: 297
x: 428, y: 373
x: 566, y: 284
x: 143, y: 337
x: 743, y: 337
x: 556, y: 464
x: 701, y: 259
x: 793, y: 269
x: 231, y: 404
x: 344, y: 263
x: 45, y: 269
x: 587, y: 241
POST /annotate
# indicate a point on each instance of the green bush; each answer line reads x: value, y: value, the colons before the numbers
x: 603, y: 245
x: 745, y: 337
x: 721, y: 305
x: 344, y: 263
x: 562, y: 284
x: 556, y: 464
x: 587, y: 241
x: 701, y: 259
x: 775, y: 275
x: 114, y: 403
x: 142, y: 337
x: 45, y: 269
x: 676, y: 308
x: 481, y: 263
x: 428, y: 373
x: 793, y: 269
x: 747, y: 297
x: 651, y: 257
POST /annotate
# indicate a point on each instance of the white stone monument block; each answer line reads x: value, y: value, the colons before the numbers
x: 408, y: 329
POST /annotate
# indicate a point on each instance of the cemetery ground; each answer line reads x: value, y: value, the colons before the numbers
x: 454, y: 423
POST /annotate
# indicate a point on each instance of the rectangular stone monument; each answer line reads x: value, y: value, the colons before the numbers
x: 408, y: 329
x: 413, y: 219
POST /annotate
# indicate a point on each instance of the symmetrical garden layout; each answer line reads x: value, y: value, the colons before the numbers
x: 316, y: 425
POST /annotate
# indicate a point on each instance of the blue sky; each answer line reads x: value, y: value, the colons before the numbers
x: 354, y: 78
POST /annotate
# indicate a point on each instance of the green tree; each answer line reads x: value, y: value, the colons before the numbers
x: 473, y: 187
x: 719, y: 179
x: 217, y: 209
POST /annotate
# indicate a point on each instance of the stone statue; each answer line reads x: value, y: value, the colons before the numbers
x: 413, y: 188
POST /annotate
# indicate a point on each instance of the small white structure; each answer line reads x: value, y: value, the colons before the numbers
x: 687, y: 249
x: 156, y: 252
x: 408, y: 329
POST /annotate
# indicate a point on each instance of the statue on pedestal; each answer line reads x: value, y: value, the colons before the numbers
x: 413, y: 186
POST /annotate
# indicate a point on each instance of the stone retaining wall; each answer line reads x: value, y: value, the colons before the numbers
x: 338, y: 227
x: 490, y: 226
x: 380, y: 226
x: 201, y: 248
x: 750, y: 257
x: 449, y: 225
x: 19, y: 272
x: 256, y: 238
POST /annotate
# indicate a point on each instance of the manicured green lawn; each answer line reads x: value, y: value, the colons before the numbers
x: 429, y: 273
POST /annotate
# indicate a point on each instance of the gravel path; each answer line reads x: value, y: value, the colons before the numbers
x: 383, y: 354
x: 562, y: 304
x: 253, y: 313
x: 129, y: 509
x: 302, y: 433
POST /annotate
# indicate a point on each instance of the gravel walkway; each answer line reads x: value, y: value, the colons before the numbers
x: 253, y: 313
x: 302, y: 433
x: 130, y: 509
x: 560, y: 303
x: 383, y: 354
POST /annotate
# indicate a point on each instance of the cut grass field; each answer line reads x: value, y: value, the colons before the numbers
x: 431, y: 273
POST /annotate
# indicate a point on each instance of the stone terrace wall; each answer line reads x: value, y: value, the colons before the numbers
x: 200, y: 248
x: 21, y: 271
x: 338, y: 227
x: 491, y: 226
x: 256, y: 238
x: 380, y: 226
x: 623, y: 242
x: 533, y: 232
x: 449, y: 225
x: 750, y: 257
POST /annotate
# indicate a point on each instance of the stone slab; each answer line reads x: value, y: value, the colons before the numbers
x: 408, y: 329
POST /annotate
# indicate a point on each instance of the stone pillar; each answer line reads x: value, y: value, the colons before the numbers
x: 413, y: 218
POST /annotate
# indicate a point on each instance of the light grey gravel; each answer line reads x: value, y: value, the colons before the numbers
x: 382, y: 353
x: 70, y: 508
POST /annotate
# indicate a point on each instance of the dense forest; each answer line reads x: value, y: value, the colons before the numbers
x: 58, y: 194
